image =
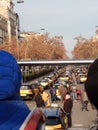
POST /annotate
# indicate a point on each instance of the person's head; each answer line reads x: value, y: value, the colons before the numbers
x: 41, y: 88
x: 36, y: 88
x: 91, y: 84
x: 10, y: 76
x: 67, y: 96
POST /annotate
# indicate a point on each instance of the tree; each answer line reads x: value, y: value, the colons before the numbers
x: 85, y: 49
x: 36, y: 47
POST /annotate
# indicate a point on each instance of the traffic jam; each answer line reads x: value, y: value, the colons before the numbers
x: 49, y: 92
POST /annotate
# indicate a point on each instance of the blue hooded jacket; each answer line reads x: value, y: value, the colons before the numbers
x: 13, y: 110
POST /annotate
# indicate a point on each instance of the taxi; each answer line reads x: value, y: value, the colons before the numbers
x: 83, y: 78
x: 53, y: 121
x: 44, y: 83
x: 26, y: 91
x: 65, y: 77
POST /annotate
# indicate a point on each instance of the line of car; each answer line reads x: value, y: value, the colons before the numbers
x: 81, y: 74
x: 26, y: 89
x: 55, y: 116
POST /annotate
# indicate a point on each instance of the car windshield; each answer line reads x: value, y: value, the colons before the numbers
x: 25, y: 87
x: 52, y: 121
x: 83, y: 76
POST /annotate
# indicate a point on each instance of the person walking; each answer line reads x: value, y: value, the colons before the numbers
x: 45, y: 96
x: 67, y: 106
x: 37, y: 97
x: 74, y: 93
x: 84, y: 101
x: 62, y: 91
x: 13, y: 110
x: 53, y: 94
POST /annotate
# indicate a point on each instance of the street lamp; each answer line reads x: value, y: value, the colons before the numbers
x: 42, y: 30
x: 17, y: 29
x: 20, y: 1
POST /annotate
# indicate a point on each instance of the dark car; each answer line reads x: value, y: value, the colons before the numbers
x: 55, y: 118
x: 26, y: 91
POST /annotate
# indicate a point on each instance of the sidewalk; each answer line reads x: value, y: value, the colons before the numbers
x: 82, y: 119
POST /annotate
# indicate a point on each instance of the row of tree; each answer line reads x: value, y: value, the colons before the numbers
x: 36, y: 47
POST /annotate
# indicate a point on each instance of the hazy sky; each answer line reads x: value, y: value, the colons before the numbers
x: 69, y: 18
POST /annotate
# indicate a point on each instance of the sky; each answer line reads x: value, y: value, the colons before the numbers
x: 67, y: 18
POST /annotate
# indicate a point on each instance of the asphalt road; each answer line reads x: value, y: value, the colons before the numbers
x: 80, y: 119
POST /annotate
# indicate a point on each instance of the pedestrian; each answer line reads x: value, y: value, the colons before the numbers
x: 53, y: 94
x: 62, y: 91
x: 13, y: 110
x: 74, y: 93
x: 37, y: 97
x: 91, y: 87
x: 67, y: 106
x: 78, y: 91
x: 45, y: 96
x: 84, y: 101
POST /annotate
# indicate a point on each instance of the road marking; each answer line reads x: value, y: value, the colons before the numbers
x: 77, y: 125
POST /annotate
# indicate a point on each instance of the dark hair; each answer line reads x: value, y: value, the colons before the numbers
x: 91, y: 84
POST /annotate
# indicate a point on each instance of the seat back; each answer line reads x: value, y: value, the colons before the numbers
x: 32, y: 120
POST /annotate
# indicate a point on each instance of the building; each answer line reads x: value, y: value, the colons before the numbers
x: 9, y: 20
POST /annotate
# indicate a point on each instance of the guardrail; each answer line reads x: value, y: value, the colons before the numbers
x: 55, y: 62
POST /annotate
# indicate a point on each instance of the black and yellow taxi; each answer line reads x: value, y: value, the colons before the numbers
x: 81, y: 78
x: 56, y: 119
x: 26, y: 91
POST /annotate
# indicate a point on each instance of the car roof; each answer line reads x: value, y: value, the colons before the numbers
x: 52, y: 111
x: 26, y: 84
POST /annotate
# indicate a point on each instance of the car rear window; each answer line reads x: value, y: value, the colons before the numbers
x: 52, y: 121
x: 25, y: 87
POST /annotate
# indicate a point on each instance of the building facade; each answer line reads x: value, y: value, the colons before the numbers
x: 9, y: 20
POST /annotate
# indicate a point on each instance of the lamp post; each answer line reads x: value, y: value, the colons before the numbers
x: 20, y: 1
x: 17, y: 29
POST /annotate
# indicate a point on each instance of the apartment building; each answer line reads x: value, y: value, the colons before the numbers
x: 9, y: 20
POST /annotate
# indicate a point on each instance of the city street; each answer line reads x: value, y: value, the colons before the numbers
x: 80, y: 119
